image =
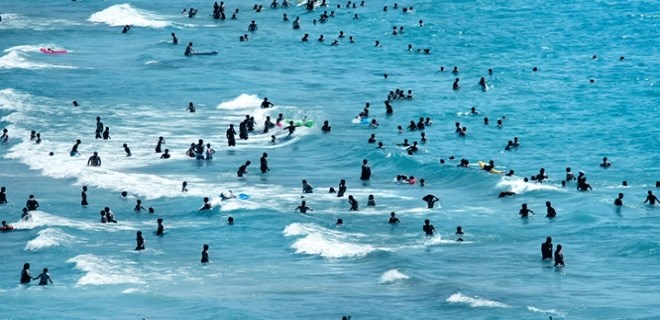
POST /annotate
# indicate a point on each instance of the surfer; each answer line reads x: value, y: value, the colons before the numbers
x: 430, y: 200
x: 231, y: 136
x: 366, y: 171
x: 651, y: 199
x: 26, y: 277
x: 44, y: 277
x: 3, y: 195
x: 99, y: 128
x: 353, y: 203
x: 524, y: 211
x: 303, y: 208
x: 74, y: 149
x: 138, y: 206
x: 83, y: 196
x: 205, y: 254
x: 546, y: 249
x: 559, y: 257
x: 264, y: 163
x: 161, y: 229
x: 191, y: 107
x: 490, y: 166
x: 189, y: 50
x: 393, y: 219
x: 605, y: 163
x: 266, y: 104
x: 32, y: 203
x: 428, y: 228
x: 242, y: 170
x: 174, y: 39
x: 140, y: 241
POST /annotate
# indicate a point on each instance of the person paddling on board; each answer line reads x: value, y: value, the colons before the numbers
x: 489, y: 166
x: 189, y: 50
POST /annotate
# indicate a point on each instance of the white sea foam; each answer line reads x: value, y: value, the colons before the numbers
x: 326, y: 243
x: 519, y: 186
x: 392, y: 275
x: 50, y: 237
x: 17, y: 57
x: 125, y: 14
x: 548, y: 311
x: 17, y: 21
x: 102, y: 271
x: 475, y: 302
x: 44, y: 219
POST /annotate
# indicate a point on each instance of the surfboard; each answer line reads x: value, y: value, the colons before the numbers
x: 494, y: 171
x: 243, y: 196
x: 51, y: 51
x: 208, y: 53
x: 300, y: 123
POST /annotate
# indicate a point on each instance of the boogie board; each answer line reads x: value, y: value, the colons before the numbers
x: 243, y: 196
x: 51, y: 51
x: 482, y: 164
x: 299, y: 123
x: 208, y: 53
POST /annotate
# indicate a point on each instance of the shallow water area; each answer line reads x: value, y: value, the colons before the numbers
x: 277, y: 263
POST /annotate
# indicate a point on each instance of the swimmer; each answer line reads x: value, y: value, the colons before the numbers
x: 230, y: 220
x: 551, y: 213
x: 583, y: 185
x: 126, y: 29
x: 393, y: 219
x: 428, y: 228
x: 371, y: 202
x: 207, y: 205
x: 305, y: 38
x: 161, y: 229
x: 499, y: 123
x: 516, y: 144
x: 138, y: 206
x: 430, y: 200
x: 506, y: 194
x: 540, y: 176
x: 74, y: 149
x: 127, y: 150
x: 139, y: 239
x: 272, y: 139
x: 372, y: 139
x: 546, y: 249
x: 412, y: 149
x: 191, y: 107
x: 321, y: 39
x: 83, y: 196
x: 166, y: 154
x: 373, y: 124
x: 559, y: 257
x: 32, y: 204
x: 455, y: 85
x: 26, y: 277
x: 651, y: 199
x: 366, y: 171
x: 524, y: 211
x: 174, y: 39
x: 303, y: 208
x: 510, y: 173
x: 44, y: 278
x: 326, y: 127
x: 377, y: 44
x: 6, y: 227
x: 485, y: 121
x: 605, y: 163
x: 353, y: 203
x: 189, y: 50
x: 619, y: 200
x: 482, y: 83
x: 227, y: 197
x: 205, y: 254
x: 296, y: 24
x: 306, y: 187
x: 242, y: 170
x: 569, y: 175
x: 26, y: 216
x: 266, y: 104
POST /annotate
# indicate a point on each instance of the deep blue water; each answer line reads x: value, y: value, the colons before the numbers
x: 275, y: 263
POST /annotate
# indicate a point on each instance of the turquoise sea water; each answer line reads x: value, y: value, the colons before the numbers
x: 274, y: 263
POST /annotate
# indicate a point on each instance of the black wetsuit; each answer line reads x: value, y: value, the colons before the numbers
x: 546, y: 250
x: 159, y: 146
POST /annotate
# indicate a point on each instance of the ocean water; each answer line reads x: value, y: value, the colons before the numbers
x: 275, y: 263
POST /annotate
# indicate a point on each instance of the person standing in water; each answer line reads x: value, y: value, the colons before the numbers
x: 264, y: 163
x: 140, y: 241
x: 99, y: 128
x: 74, y: 149
x: 524, y: 211
x: 32, y: 204
x: 159, y: 145
x: 44, y: 278
x: 619, y: 200
x: 26, y: 277
x: 161, y: 229
x: 242, y: 170
x: 3, y: 195
x: 428, y: 228
x: 83, y: 195
x: 353, y: 203
x: 174, y: 39
x: 205, y: 254
x: 546, y: 249
x: 651, y: 199
x: 393, y: 218
x: 303, y: 208
x: 551, y: 211
x: 366, y: 171
x: 559, y: 257
x: 430, y: 200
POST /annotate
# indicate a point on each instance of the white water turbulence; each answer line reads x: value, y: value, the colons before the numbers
x: 125, y: 14
x: 327, y: 243
x: 103, y: 271
x: 26, y: 57
x: 50, y: 237
x: 475, y: 302
x: 392, y: 275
